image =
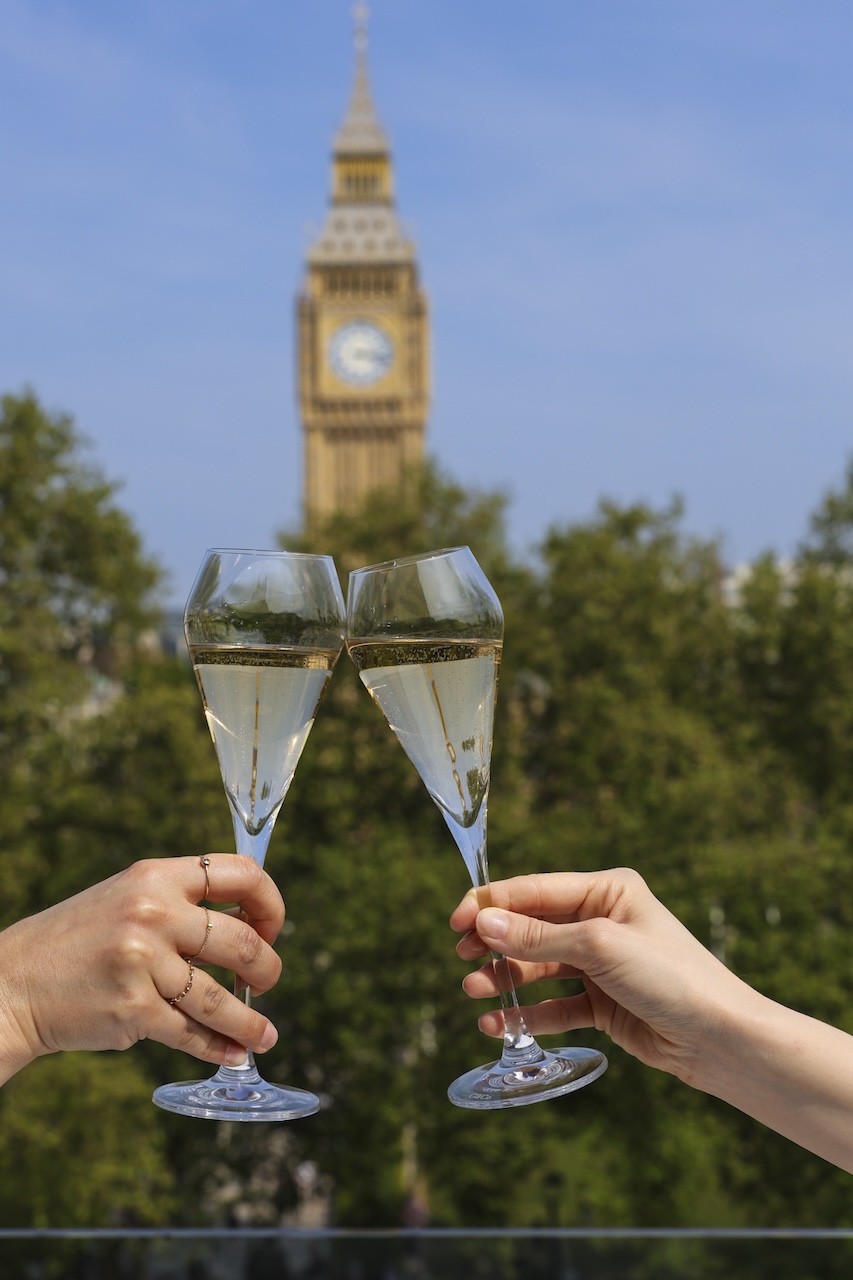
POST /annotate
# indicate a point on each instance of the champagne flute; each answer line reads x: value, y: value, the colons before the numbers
x: 264, y: 630
x: 425, y: 634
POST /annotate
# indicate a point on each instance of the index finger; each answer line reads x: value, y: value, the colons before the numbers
x: 561, y: 897
x: 233, y: 877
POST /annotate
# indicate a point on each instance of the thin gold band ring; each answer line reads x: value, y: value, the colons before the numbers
x: 200, y: 952
x: 175, y: 1000
x: 205, y: 865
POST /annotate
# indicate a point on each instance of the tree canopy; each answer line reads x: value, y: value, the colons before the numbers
x: 656, y: 710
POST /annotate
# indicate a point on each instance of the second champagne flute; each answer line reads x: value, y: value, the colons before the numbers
x: 426, y: 634
x: 264, y: 630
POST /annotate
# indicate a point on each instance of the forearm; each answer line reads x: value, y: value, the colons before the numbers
x: 788, y: 1071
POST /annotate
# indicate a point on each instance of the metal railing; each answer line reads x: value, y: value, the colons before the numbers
x: 433, y: 1254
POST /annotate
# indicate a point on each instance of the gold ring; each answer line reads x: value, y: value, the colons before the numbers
x: 191, y: 959
x: 205, y: 862
x: 178, y: 998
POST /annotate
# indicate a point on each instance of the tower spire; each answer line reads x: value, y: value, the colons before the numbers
x: 360, y: 14
x: 363, y: 330
x: 361, y: 130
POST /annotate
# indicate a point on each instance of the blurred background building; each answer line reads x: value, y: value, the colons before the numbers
x: 362, y: 323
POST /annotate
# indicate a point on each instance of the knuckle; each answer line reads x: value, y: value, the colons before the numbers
x: 534, y: 886
x: 629, y: 893
x: 248, y: 944
x: 253, y: 874
x: 596, y: 937
x: 187, y: 1039
x: 213, y: 999
x: 130, y: 1014
x: 138, y: 870
x: 275, y: 913
x: 132, y: 953
x: 145, y: 912
x: 255, y: 1028
x: 269, y: 976
x: 524, y: 895
x: 140, y: 875
x: 630, y: 878
x: 530, y: 935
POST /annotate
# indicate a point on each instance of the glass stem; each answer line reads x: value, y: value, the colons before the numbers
x: 250, y: 846
x: 519, y: 1045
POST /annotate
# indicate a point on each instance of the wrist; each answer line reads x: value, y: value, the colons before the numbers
x: 786, y: 1070
x: 742, y: 1045
x: 18, y: 1047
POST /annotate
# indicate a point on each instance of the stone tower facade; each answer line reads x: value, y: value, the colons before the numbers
x: 362, y: 324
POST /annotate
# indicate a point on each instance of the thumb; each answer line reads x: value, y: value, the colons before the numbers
x: 521, y: 937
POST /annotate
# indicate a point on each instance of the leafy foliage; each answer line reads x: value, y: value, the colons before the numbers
x: 65, y: 1155
x: 654, y: 711
x: 75, y: 596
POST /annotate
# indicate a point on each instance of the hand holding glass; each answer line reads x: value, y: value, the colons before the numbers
x: 425, y: 635
x: 264, y: 630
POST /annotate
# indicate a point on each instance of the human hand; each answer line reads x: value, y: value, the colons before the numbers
x: 655, y: 990
x: 99, y: 970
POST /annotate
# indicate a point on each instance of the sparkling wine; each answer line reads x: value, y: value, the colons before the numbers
x: 260, y: 704
x: 439, y: 698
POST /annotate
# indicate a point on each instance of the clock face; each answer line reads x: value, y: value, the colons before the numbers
x: 360, y: 353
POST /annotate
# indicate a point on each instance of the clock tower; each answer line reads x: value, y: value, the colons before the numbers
x: 362, y: 323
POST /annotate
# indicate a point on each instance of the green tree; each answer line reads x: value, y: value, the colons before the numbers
x: 65, y: 1156
x: 796, y: 645
x: 649, y: 714
x: 640, y: 721
x: 75, y: 594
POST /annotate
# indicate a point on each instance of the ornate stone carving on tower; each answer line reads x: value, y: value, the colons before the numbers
x: 362, y: 323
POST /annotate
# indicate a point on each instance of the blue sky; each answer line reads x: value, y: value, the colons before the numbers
x: 633, y: 220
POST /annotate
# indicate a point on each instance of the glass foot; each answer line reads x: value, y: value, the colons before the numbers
x: 530, y: 1078
x: 236, y: 1093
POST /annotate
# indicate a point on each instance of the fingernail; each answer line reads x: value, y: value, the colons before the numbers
x: 492, y: 923
x: 236, y: 1056
x: 269, y: 1038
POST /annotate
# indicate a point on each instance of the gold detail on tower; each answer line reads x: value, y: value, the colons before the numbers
x: 362, y: 324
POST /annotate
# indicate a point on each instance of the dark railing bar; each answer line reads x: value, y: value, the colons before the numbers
x: 427, y: 1233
